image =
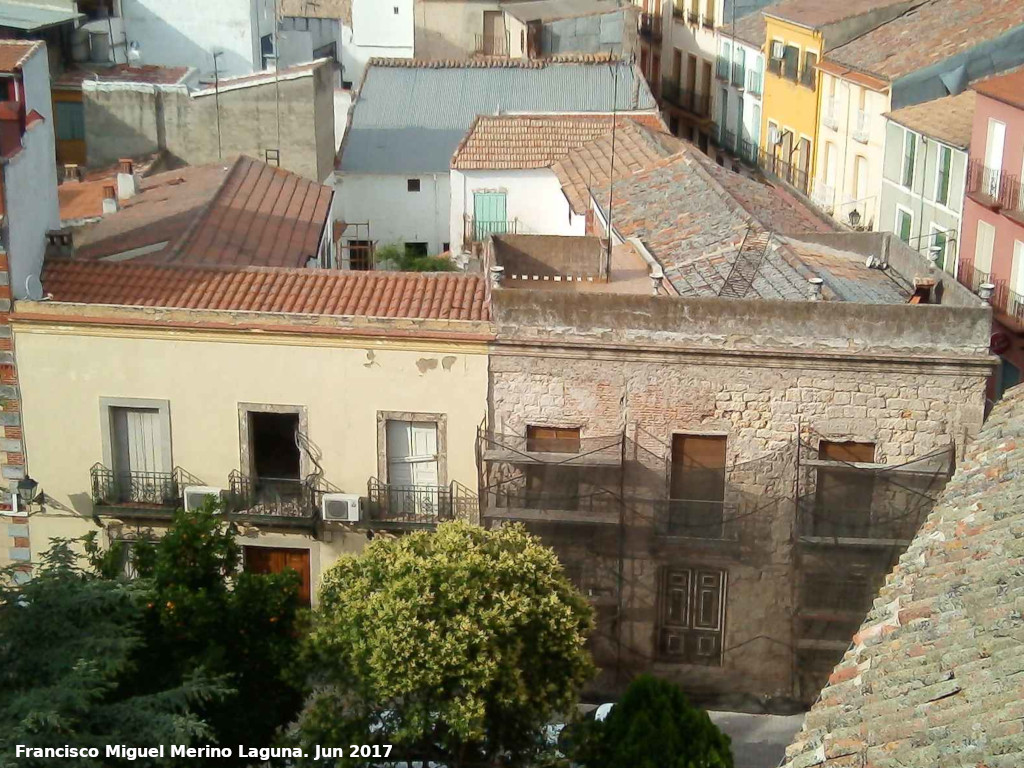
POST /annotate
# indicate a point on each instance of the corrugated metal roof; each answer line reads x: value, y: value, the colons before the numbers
x: 29, y: 18
x: 410, y: 119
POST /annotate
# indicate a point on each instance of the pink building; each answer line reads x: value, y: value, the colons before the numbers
x: 992, y: 248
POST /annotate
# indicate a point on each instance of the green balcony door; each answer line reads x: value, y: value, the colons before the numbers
x: 489, y: 215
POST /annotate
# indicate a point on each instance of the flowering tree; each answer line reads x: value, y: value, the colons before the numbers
x: 455, y: 646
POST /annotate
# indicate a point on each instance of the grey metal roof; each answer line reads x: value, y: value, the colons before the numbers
x: 410, y: 119
x: 545, y: 10
x: 28, y: 17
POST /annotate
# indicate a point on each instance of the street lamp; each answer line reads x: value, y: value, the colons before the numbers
x: 854, y: 218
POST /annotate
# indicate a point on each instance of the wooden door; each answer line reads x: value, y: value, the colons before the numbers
x: 277, y: 560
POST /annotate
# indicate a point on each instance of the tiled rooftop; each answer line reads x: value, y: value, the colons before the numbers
x: 750, y: 29
x: 588, y: 167
x: 933, y: 677
x: 948, y: 120
x: 1008, y: 88
x: 14, y: 53
x: 121, y: 73
x: 529, y: 141
x: 495, y: 62
x: 930, y: 32
x: 413, y: 295
x: 692, y: 216
x: 821, y: 13
x: 244, y: 212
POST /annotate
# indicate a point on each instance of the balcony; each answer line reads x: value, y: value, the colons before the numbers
x: 708, y: 22
x: 488, y: 45
x: 698, y: 104
x: 284, y: 502
x: 996, y: 189
x: 693, y: 17
x: 739, y: 72
x: 478, y: 230
x: 417, y: 506
x: 722, y: 68
x: 774, y: 165
x: 727, y: 140
x: 822, y: 524
x: 755, y: 82
x: 830, y: 118
x: 650, y: 27
x: 1007, y: 304
x: 596, y: 508
x: 824, y: 196
x: 861, y: 127
x: 137, y: 494
x: 747, y: 150
x: 584, y: 452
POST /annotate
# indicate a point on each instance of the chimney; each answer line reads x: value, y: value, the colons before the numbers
x: 110, y: 200
x: 656, y: 277
x: 497, y: 276
x: 816, y: 283
x: 126, y: 183
x: 60, y: 243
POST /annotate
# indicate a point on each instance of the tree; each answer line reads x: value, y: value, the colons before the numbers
x: 456, y: 646
x: 68, y: 643
x: 394, y: 256
x: 653, y: 726
x: 244, y: 627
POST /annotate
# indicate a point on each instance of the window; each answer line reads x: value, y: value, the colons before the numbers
x: 983, y: 246
x: 938, y: 245
x: 791, y: 62
x: 809, y: 76
x: 446, y: 247
x: 777, y: 54
x: 942, y: 180
x: 692, y: 615
x: 416, y: 250
x: 137, y: 449
x: 360, y: 254
x: 909, y: 156
x: 724, y: 57
x: 697, y: 486
x: 844, y: 493
x: 904, y: 223
x: 558, y: 486
x: 275, y: 457
x: 412, y: 453
x: 70, y: 120
x: 739, y: 66
x: 552, y: 439
x: 278, y: 560
x: 1017, y: 276
x: 412, y: 185
x: 267, y: 50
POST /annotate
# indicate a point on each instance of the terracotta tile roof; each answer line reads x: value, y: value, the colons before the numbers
x: 949, y: 120
x: 83, y: 199
x: 121, y: 73
x: 317, y: 9
x: 933, y: 677
x: 528, y: 141
x: 692, y: 215
x: 930, y: 32
x: 241, y: 213
x: 1008, y: 88
x: 588, y: 167
x: 414, y: 295
x: 821, y: 13
x: 14, y: 53
x: 751, y: 28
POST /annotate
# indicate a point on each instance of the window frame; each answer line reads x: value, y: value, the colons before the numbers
x: 440, y: 420
x: 246, y: 454
x: 908, y: 159
x: 948, y: 151
x: 163, y: 408
x: 902, y: 209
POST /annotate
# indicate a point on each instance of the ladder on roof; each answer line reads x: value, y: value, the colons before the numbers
x: 753, y: 249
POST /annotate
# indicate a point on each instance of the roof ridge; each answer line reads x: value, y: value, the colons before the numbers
x: 496, y: 62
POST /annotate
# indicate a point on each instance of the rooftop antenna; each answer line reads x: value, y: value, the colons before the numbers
x: 216, y: 97
x: 611, y: 159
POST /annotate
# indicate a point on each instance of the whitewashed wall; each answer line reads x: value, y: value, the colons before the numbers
x: 395, y: 214
x: 30, y: 181
x: 534, y: 199
x: 376, y: 31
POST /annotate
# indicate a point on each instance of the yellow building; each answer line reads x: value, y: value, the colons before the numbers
x: 279, y: 390
x: 798, y: 33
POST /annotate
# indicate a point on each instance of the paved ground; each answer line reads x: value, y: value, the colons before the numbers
x: 758, y: 741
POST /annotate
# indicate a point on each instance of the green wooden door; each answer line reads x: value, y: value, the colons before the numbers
x: 489, y: 215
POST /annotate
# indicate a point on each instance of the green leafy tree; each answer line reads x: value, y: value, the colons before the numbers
x: 653, y: 726
x: 69, y: 642
x: 456, y: 646
x: 244, y: 627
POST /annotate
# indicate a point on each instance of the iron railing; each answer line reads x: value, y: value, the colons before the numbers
x: 602, y: 450
x: 792, y: 174
x: 728, y: 140
x: 996, y: 188
x: 972, y: 278
x: 270, y: 497
x: 650, y: 27
x: 693, y: 102
x: 478, y: 230
x: 824, y: 520
x: 418, y: 504
x: 145, y: 489
x: 693, y: 17
x: 747, y: 150
x: 708, y: 22
x: 599, y: 502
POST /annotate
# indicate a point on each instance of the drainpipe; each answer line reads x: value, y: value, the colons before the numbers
x: 920, y: 210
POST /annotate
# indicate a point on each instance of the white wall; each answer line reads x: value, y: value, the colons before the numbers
x: 376, y: 31
x: 30, y: 181
x: 534, y: 199
x: 185, y: 32
x: 394, y: 213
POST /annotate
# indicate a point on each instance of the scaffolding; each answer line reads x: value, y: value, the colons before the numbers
x: 356, y: 248
x: 754, y: 536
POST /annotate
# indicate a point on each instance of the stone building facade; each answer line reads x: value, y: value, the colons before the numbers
x: 743, y: 587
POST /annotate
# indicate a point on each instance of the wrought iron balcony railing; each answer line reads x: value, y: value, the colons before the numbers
x: 818, y: 519
x: 418, y: 504
x: 598, y: 451
x: 159, y: 490
x: 650, y: 27
x: 693, y: 102
x: 478, y: 230
x: 271, y: 497
x: 996, y: 188
x: 792, y: 174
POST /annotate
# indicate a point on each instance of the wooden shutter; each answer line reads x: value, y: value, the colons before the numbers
x: 412, y: 453
x: 553, y: 439
x: 698, y: 467
x: 276, y: 560
x: 847, y: 451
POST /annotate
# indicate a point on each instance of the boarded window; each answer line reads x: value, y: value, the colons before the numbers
x: 274, y: 560
x: 692, y: 615
x: 553, y: 439
x: 697, y: 486
x: 844, y: 493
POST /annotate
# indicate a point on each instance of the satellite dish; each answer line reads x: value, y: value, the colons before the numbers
x: 33, y: 288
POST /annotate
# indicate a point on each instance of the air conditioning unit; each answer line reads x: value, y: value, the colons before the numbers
x: 340, y: 507
x: 195, y: 495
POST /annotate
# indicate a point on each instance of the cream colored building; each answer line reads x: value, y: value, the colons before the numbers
x: 127, y: 407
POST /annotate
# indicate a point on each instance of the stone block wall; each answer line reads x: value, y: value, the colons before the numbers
x: 14, y: 539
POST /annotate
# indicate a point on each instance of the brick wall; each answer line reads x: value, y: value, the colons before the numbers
x: 14, y: 543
